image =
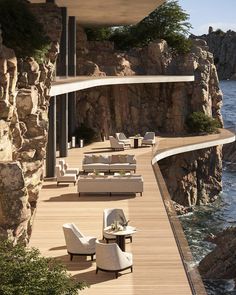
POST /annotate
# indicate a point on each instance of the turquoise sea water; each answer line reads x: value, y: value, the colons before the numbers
x: 215, y: 217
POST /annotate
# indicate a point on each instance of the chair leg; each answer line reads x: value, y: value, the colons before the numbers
x: 96, y: 270
x: 131, y: 268
x: 131, y: 239
x: 92, y: 257
x: 116, y: 274
x: 71, y: 257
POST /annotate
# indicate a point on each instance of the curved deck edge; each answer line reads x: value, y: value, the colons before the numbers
x: 191, y: 270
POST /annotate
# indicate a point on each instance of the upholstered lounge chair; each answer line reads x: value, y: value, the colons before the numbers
x: 63, y: 177
x: 110, y: 258
x: 115, y: 144
x: 122, y: 138
x: 77, y: 243
x: 149, y: 138
x: 67, y: 170
x: 109, y: 215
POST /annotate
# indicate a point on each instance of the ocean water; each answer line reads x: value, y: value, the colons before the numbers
x: 215, y: 217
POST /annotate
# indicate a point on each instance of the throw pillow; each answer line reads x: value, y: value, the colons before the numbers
x: 123, y: 159
x: 115, y: 159
x: 96, y: 159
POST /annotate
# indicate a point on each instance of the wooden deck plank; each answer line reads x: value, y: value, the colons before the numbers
x: 158, y: 268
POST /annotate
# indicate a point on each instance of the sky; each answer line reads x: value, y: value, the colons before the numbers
x: 220, y: 14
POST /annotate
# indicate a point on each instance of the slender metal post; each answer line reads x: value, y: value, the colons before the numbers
x: 51, y: 146
x: 63, y: 132
x: 71, y: 72
x: 62, y: 70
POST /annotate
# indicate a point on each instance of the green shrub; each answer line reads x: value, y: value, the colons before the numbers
x: 98, y: 34
x: 21, y: 31
x: 169, y: 22
x: 219, y: 32
x: 24, y: 272
x: 198, y: 122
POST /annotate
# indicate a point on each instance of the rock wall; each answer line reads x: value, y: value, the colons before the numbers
x: 24, y: 101
x: 193, y: 178
x: 221, y: 262
x: 223, y: 46
x: 137, y: 108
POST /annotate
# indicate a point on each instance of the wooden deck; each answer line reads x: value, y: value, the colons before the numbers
x: 158, y: 268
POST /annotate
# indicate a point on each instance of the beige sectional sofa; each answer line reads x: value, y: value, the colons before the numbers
x: 110, y: 184
x: 109, y: 163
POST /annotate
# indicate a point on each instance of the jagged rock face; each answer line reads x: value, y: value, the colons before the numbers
x: 162, y: 108
x: 221, y: 262
x: 195, y: 178
x: 24, y: 126
x: 229, y: 155
x: 14, y: 206
x: 223, y: 46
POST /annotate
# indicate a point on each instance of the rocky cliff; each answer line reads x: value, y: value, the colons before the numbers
x: 221, y: 262
x: 223, y: 47
x: 24, y: 100
x: 193, y: 178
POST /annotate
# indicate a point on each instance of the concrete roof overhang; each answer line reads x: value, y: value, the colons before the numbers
x: 107, y: 12
x: 70, y: 84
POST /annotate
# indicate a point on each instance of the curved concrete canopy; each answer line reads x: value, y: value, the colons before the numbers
x: 107, y: 12
x: 65, y: 85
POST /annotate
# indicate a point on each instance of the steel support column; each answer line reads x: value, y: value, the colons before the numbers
x: 51, y: 146
x: 63, y: 133
x: 71, y: 72
x: 62, y: 70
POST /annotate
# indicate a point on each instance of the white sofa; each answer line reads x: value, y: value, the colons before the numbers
x: 110, y: 184
x: 67, y: 169
x: 64, y: 177
x: 111, y: 163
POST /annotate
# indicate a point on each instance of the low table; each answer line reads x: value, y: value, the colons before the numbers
x: 137, y: 141
x: 120, y: 234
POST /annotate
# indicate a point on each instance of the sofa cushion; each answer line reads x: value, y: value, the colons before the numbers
x: 104, y: 159
x: 122, y: 158
x: 88, y: 159
x: 115, y: 159
x: 131, y: 159
x: 96, y: 166
x: 96, y: 159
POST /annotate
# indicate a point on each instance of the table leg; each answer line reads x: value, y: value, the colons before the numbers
x: 135, y: 143
x: 120, y: 240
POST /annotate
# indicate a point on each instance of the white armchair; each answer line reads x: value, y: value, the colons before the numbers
x: 77, y: 243
x: 109, y: 215
x: 149, y: 138
x: 122, y: 138
x: 63, y: 177
x: 115, y: 144
x: 67, y: 170
x: 110, y: 258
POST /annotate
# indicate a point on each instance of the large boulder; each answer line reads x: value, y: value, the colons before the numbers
x: 221, y: 262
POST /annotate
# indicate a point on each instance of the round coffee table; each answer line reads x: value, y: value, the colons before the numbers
x: 120, y: 234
